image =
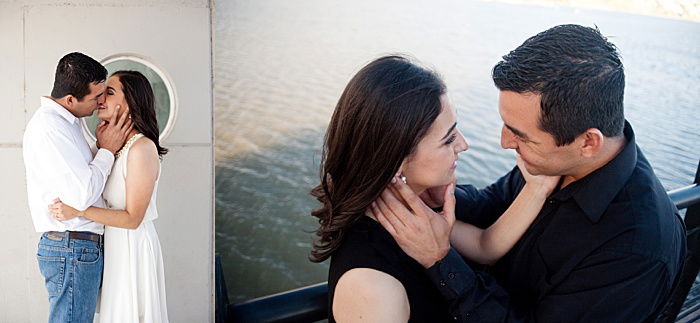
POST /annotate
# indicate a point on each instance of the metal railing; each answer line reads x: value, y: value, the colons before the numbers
x: 687, y: 197
x: 310, y: 303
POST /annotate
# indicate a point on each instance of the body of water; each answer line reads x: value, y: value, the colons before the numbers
x: 280, y: 67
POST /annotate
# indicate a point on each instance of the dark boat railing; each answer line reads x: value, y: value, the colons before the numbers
x: 310, y: 303
x: 687, y: 197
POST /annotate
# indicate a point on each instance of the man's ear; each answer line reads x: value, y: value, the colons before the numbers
x: 592, y: 141
x: 69, y: 100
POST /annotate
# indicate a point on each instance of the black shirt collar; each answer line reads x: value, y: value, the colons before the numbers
x: 595, y: 191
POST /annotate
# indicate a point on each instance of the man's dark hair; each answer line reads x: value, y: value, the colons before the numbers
x: 74, y: 74
x: 579, y: 75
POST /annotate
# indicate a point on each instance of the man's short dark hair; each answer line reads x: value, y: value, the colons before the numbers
x: 579, y: 75
x: 74, y: 74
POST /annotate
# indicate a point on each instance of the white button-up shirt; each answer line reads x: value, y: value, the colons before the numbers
x: 59, y: 164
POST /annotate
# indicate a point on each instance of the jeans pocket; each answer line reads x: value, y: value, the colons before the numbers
x: 87, y: 256
x: 53, y: 271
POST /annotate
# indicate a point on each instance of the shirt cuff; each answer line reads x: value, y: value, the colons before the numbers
x: 104, y: 160
x: 451, y: 275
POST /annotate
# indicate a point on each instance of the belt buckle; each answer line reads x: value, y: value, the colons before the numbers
x: 54, y: 236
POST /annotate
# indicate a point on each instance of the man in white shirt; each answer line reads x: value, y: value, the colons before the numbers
x: 60, y: 164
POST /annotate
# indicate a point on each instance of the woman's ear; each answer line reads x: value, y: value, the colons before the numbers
x: 399, y: 173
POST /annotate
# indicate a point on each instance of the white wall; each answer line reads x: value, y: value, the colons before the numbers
x: 176, y: 35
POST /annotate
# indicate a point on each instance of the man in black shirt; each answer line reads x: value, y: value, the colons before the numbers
x: 607, y: 246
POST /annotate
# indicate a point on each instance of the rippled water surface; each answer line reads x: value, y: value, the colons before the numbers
x: 280, y: 67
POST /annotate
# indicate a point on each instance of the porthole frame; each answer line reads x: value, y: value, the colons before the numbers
x: 167, y: 81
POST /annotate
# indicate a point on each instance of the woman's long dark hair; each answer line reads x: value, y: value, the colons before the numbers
x: 380, y: 118
x: 139, y: 96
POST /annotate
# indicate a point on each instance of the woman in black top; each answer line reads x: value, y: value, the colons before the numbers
x: 394, y: 122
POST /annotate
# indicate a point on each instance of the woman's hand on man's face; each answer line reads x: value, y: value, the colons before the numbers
x: 545, y: 183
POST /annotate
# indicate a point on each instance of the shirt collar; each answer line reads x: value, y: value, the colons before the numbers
x: 63, y: 112
x: 595, y: 191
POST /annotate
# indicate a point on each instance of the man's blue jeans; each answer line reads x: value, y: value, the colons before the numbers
x: 72, y: 271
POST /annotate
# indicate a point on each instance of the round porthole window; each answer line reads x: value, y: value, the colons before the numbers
x: 163, y: 91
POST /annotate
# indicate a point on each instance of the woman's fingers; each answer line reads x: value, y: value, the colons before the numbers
x: 56, y: 210
x: 523, y: 170
x: 55, y: 206
x: 55, y: 213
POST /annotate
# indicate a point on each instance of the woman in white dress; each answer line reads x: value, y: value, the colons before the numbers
x: 133, y: 286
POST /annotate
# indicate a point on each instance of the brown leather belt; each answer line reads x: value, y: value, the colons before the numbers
x: 75, y: 235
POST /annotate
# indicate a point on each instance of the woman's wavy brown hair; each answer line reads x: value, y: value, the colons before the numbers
x: 138, y: 94
x: 382, y: 115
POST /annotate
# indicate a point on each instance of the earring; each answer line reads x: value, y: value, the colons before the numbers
x: 403, y: 179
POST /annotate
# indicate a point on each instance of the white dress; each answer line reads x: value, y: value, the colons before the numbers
x: 133, y: 283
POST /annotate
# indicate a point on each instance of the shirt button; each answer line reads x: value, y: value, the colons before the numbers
x: 442, y: 283
x: 551, y: 201
x: 455, y: 318
x: 451, y: 275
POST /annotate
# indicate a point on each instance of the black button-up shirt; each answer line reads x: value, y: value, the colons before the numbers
x: 606, y: 248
